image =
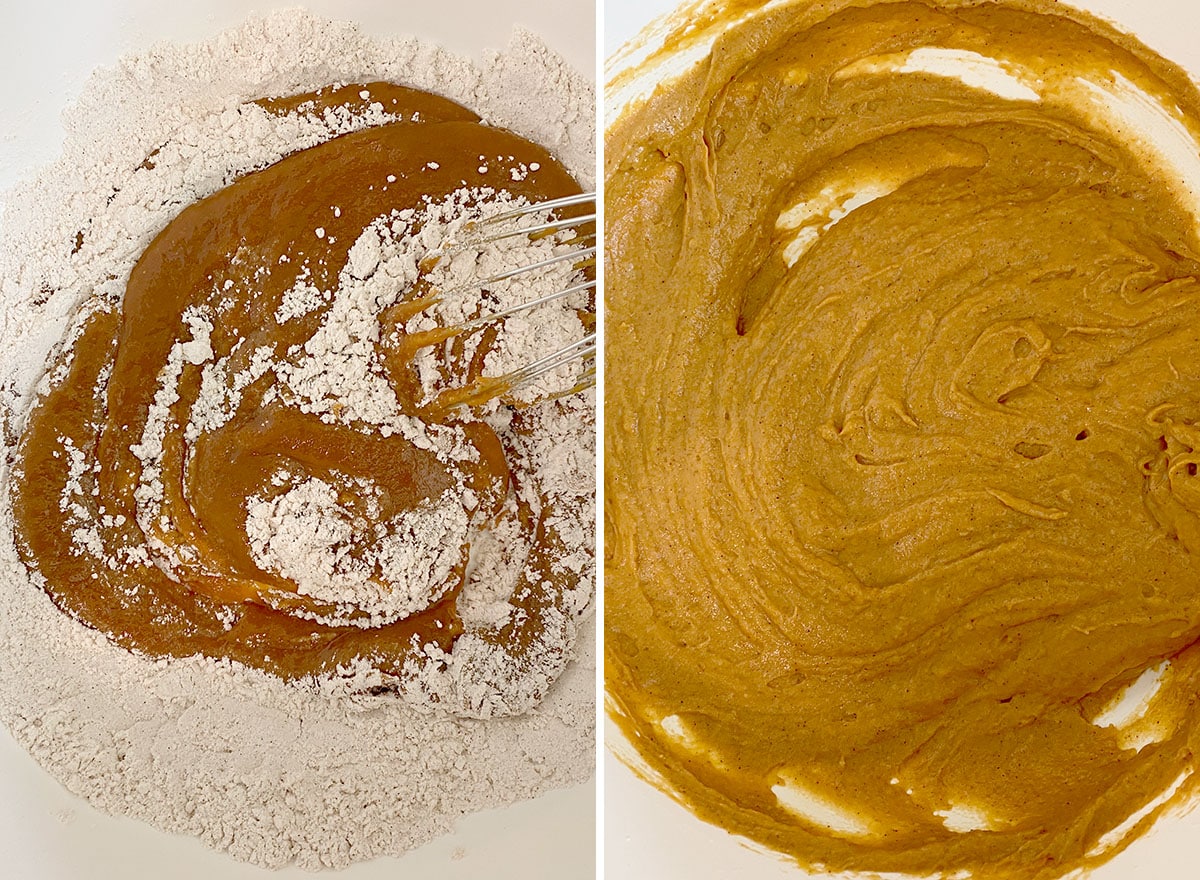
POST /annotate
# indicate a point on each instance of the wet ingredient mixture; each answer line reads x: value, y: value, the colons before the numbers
x: 235, y: 411
x: 903, y: 433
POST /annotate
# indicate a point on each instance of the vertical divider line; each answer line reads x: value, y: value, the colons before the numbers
x: 600, y: 383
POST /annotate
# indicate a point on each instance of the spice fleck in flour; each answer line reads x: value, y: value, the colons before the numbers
x: 236, y: 500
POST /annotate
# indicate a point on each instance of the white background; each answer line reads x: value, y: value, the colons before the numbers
x: 47, y: 50
x: 624, y: 18
x: 646, y: 834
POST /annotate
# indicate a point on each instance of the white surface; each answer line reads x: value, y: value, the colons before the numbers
x: 624, y: 18
x: 648, y: 835
x: 46, y: 52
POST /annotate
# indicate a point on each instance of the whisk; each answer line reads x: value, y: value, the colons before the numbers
x: 580, y: 253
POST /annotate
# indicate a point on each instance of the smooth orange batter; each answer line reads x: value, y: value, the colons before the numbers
x: 189, y: 584
x: 903, y: 431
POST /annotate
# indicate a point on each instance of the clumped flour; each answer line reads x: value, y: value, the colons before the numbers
x: 325, y: 772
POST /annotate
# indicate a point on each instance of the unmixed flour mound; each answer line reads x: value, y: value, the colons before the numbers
x: 323, y: 769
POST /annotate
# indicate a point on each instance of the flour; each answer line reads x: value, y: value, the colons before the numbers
x: 341, y: 769
x: 307, y: 535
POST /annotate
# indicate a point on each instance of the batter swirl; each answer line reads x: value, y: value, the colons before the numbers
x: 903, y: 420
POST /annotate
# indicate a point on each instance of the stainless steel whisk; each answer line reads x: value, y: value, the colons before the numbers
x: 582, y: 253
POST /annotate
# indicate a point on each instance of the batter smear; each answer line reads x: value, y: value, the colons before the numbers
x: 243, y: 456
x: 903, y: 433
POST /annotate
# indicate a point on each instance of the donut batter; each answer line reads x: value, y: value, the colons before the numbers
x: 903, y: 432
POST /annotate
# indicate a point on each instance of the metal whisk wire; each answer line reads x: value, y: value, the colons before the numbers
x: 581, y: 253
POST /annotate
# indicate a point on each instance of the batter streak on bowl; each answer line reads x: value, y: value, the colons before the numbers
x: 903, y: 435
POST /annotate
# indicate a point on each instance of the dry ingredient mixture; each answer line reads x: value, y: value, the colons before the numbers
x: 903, y: 433
x: 324, y: 612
